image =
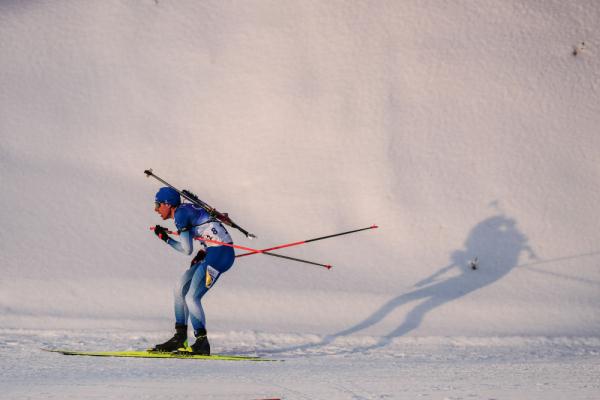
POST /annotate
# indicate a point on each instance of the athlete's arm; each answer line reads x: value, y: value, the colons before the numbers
x: 186, y: 245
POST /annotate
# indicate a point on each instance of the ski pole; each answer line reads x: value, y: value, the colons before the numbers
x: 306, y: 241
x: 255, y: 251
x: 223, y: 217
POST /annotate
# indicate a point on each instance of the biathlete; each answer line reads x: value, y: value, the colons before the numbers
x: 210, y: 262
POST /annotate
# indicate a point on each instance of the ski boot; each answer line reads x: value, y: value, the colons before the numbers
x: 176, y: 342
x: 200, y: 348
x: 201, y: 345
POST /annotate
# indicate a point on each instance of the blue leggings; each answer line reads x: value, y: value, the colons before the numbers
x: 196, y: 281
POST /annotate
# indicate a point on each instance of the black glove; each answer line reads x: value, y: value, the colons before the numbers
x: 162, y: 233
x: 199, y: 257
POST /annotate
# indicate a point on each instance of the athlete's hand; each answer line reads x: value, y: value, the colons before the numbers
x: 162, y: 233
x: 199, y: 257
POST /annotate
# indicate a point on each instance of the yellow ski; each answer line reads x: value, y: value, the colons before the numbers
x: 149, y: 354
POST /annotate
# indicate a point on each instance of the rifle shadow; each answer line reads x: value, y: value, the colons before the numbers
x: 495, y: 241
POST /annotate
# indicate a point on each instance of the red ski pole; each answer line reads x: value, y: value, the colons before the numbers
x: 306, y: 241
x: 254, y: 251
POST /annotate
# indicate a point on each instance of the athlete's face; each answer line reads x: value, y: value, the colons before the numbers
x: 164, y: 210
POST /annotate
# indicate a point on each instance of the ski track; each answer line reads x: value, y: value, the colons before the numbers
x: 436, y: 367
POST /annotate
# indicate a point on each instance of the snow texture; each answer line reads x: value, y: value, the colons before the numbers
x: 466, y: 130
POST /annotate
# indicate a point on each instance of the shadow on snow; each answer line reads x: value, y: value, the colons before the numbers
x: 495, y: 241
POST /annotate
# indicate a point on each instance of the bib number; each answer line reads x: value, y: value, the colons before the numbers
x: 215, y: 231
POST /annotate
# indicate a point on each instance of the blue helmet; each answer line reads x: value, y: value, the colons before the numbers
x: 169, y: 196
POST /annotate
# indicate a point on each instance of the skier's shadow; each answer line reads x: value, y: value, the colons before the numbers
x: 496, y: 242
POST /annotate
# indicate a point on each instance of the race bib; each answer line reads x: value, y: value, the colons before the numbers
x: 217, y: 232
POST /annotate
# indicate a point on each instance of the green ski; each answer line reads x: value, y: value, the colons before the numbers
x: 148, y: 354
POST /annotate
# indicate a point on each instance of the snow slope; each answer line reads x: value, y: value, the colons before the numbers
x: 409, y: 368
x: 463, y: 129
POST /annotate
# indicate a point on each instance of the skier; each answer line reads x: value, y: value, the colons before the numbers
x: 210, y: 262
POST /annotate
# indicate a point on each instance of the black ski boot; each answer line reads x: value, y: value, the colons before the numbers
x: 201, y: 346
x: 175, y: 343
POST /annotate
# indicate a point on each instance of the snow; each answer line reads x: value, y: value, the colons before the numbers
x: 408, y: 368
x: 464, y: 130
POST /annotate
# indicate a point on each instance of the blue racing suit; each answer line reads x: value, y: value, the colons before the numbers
x: 193, y: 221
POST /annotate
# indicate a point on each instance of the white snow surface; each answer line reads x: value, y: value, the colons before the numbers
x: 464, y: 130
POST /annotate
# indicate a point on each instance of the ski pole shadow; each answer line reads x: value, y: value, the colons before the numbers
x: 534, y: 267
x: 497, y: 244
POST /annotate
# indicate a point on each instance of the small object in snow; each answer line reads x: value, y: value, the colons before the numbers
x: 474, y: 263
x: 578, y: 49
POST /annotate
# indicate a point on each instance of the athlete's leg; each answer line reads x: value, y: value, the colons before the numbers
x: 196, y: 289
x: 181, y: 315
x: 218, y: 259
x: 181, y: 290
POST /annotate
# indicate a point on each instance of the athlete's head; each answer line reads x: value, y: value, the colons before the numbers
x: 166, y: 201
